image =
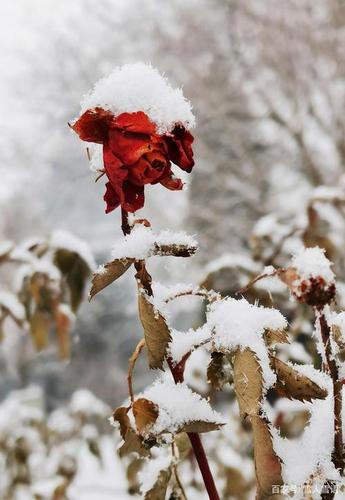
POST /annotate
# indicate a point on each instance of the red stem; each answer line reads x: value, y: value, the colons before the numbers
x: 199, y: 452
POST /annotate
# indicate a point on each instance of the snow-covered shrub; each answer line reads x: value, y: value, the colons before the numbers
x: 141, y: 127
x: 48, y: 279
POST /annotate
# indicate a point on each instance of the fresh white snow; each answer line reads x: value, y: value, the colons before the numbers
x: 239, y: 324
x: 140, y: 87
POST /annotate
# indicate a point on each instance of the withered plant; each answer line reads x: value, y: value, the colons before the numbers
x: 139, y: 127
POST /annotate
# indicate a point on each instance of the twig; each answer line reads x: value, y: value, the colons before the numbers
x: 244, y: 289
x: 132, y: 361
x: 177, y: 477
x: 211, y: 297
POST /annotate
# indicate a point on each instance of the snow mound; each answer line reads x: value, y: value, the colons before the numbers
x: 178, y: 405
x: 239, y: 324
x: 140, y: 243
x: 312, y: 263
x: 140, y: 87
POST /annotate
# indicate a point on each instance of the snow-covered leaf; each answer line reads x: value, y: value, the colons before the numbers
x: 292, y: 384
x: 158, y: 491
x: 145, y: 413
x: 276, y: 337
x: 108, y: 273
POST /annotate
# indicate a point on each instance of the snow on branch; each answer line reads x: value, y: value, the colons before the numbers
x: 239, y: 324
x: 142, y: 242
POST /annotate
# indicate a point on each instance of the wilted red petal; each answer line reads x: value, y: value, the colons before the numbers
x: 149, y: 169
x: 111, y: 198
x: 129, y: 146
x: 133, y: 197
x: 172, y: 183
x: 114, y: 168
x: 137, y: 122
x: 179, y: 144
x: 93, y: 125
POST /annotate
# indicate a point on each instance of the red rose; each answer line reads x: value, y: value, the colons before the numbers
x: 134, y: 154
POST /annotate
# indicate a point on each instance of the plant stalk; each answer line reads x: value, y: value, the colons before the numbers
x: 337, y: 455
x: 178, y: 375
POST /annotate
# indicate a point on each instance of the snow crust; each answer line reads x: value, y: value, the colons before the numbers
x: 239, y: 324
x: 140, y: 243
x: 311, y: 263
x: 178, y: 405
x: 140, y: 87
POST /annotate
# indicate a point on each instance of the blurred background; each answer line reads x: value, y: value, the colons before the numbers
x: 267, y: 84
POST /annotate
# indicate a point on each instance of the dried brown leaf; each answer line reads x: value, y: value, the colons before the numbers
x: 63, y: 327
x: 267, y: 463
x: 111, y: 272
x: 132, y: 475
x: 248, y: 382
x: 219, y: 370
x: 159, y: 489
x: 133, y: 443
x: 39, y: 328
x: 292, y: 384
x: 200, y: 426
x: 76, y: 272
x: 236, y: 486
x: 120, y: 415
x: 276, y: 337
x: 145, y: 413
x: 156, y: 332
x: 183, y: 445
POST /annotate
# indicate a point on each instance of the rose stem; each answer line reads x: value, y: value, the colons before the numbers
x: 199, y: 452
x: 177, y: 373
x: 337, y: 455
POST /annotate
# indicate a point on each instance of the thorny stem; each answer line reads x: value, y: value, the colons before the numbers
x: 337, y: 455
x: 178, y: 375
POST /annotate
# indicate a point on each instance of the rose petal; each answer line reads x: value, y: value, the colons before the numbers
x: 149, y: 169
x: 93, y: 125
x: 134, y: 122
x: 133, y: 197
x: 128, y: 146
x: 114, y: 168
x: 179, y: 144
x: 111, y: 198
x: 172, y: 183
